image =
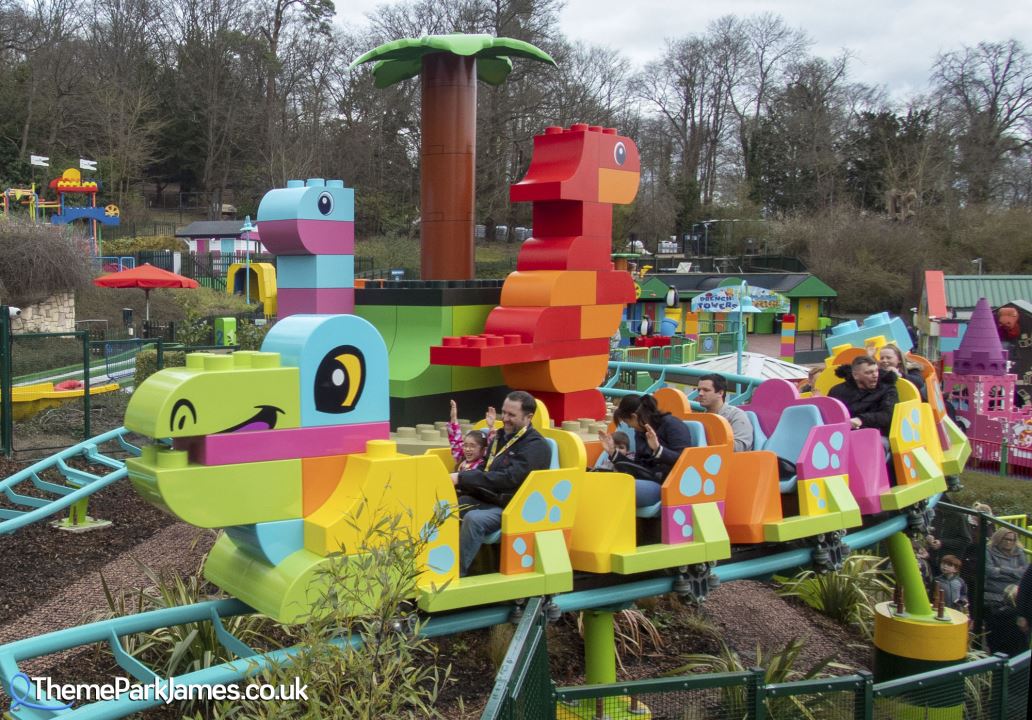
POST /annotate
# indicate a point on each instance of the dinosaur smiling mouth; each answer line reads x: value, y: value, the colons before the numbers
x: 264, y: 419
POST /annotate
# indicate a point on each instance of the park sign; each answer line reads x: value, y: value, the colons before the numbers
x: 726, y: 299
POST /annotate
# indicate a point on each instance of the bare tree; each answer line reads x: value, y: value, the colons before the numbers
x: 986, y: 93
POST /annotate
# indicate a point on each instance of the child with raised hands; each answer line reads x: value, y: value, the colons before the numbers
x: 470, y: 450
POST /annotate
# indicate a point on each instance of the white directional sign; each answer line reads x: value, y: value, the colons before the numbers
x: 40, y: 160
x: 87, y: 164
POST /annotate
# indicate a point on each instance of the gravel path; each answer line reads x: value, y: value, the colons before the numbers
x: 750, y: 613
x: 177, y: 549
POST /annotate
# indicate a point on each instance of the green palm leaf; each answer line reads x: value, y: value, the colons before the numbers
x: 402, y: 59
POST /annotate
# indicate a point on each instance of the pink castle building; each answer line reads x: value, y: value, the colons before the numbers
x: 982, y: 391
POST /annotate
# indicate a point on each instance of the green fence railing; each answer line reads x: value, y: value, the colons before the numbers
x: 983, y: 689
x: 523, y: 687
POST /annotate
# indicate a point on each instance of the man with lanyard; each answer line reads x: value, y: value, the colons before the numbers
x: 517, y: 451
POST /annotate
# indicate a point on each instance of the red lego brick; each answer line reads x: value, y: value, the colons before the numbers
x: 535, y: 324
x: 570, y: 165
x: 565, y: 253
x: 573, y: 406
x: 613, y: 287
x: 572, y: 217
x: 494, y: 350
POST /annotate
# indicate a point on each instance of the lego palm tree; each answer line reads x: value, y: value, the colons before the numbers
x: 449, y: 66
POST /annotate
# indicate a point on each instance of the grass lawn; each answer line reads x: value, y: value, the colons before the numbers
x: 1005, y: 495
x: 495, y: 259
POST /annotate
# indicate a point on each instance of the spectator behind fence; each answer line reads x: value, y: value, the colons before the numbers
x: 1005, y: 564
x: 953, y: 587
x: 1004, y: 633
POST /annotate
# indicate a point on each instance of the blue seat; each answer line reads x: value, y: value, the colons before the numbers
x: 697, y: 431
x: 649, y: 511
x: 790, y: 435
x: 554, y: 462
x: 759, y: 437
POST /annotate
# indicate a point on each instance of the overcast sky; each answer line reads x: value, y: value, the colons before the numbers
x: 894, y: 42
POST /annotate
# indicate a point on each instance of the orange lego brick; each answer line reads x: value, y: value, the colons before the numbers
x: 560, y: 376
x: 598, y: 321
x: 549, y: 288
x: 319, y: 478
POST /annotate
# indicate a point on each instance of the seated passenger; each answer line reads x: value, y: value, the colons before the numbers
x: 659, y: 439
x: 891, y: 358
x: 518, y: 449
x: 869, y: 393
x: 621, y: 451
x: 713, y: 396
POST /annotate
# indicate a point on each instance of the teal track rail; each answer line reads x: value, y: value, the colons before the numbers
x: 80, y: 484
x: 250, y: 662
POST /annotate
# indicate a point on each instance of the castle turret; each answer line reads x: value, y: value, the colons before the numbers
x: 980, y: 351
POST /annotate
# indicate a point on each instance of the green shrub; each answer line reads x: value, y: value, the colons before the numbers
x: 251, y: 336
x: 847, y: 596
x: 779, y: 667
x: 147, y: 362
x: 393, y: 672
x: 143, y: 243
x: 37, y: 261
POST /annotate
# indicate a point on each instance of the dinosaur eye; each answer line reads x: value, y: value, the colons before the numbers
x: 325, y: 203
x: 339, y: 380
x: 620, y: 153
x: 178, y: 418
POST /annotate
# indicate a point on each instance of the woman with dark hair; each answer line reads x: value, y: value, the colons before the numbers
x: 659, y: 438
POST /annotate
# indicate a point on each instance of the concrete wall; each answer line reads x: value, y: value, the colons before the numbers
x: 55, y: 314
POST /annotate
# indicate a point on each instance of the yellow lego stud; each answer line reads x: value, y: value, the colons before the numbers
x: 381, y: 449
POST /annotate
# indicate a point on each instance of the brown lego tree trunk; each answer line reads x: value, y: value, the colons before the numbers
x: 449, y: 129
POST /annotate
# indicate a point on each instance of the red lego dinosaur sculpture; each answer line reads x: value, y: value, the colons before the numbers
x: 565, y: 300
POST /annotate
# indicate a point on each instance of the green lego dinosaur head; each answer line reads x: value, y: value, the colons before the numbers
x: 217, y: 394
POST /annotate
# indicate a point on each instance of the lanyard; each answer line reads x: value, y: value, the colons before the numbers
x: 509, y: 444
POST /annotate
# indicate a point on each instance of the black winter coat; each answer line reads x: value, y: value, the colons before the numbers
x: 872, y: 407
x: 673, y: 436
x: 508, y: 471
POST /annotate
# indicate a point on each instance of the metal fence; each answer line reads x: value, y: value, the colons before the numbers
x: 1000, y: 458
x: 32, y: 364
x: 988, y: 688
x: 523, y: 687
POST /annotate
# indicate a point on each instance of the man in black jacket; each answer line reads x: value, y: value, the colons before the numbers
x: 517, y: 451
x: 868, y: 392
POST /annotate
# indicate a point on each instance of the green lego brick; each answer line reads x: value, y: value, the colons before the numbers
x: 795, y: 528
x: 384, y: 318
x: 469, y: 378
x: 232, y: 494
x: 469, y: 319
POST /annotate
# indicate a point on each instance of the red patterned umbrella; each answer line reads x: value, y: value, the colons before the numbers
x: 147, y: 277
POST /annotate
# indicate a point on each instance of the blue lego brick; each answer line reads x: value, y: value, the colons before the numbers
x: 343, y: 362
x: 273, y: 541
x: 855, y: 334
x: 306, y: 201
x: 315, y: 271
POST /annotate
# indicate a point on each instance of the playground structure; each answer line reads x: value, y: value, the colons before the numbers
x: 30, y: 400
x: 254, y: 281
x: 64, y: 210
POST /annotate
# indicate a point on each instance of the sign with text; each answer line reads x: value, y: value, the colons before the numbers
x: 727, y: 299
